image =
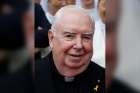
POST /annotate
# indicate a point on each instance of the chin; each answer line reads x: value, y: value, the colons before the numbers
x: 71, y: 73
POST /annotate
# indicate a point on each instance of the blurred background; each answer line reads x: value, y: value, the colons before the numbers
x: 16, y: 46
x: 128, y: 44
x: 122, y: 46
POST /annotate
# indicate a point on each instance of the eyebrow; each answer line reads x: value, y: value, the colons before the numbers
x: 72, y: 31
x: 88, y: 33
x: 69, y: 33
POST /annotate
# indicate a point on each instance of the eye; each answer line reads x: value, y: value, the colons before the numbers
x: 69, y: 36
x: 87, y: 37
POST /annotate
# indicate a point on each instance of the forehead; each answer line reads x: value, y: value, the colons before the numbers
x: 73, y: 27
x: 76, y: 21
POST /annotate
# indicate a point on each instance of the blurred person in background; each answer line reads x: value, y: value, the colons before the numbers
x: 54, y: 6
x: 113, y: 85
x: 16, y: 31
x: 129, y: 46
x: 102, y: 10
x: 37, y: 1
x: 68, y: 68
x: 89, y: 6
x: 40, y: 19
x: 99, y: 36
x: 45, y: 5
x: 42, y: 26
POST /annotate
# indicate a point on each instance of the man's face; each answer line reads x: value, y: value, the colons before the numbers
x: 102, y: 9
x: 88, y: 2
x: 72, y: 44
x: 61, y: 3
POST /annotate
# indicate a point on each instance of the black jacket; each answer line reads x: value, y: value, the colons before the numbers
x: 48, y: 80
x: 41, y: 36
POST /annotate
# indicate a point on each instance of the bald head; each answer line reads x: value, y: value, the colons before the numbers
x: 73, y: 14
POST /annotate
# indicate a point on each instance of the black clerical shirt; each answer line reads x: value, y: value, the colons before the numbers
x: 48, y: 80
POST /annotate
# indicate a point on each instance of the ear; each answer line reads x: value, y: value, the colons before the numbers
x: 50, y: 36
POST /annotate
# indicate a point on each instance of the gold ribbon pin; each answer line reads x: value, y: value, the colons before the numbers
x: 96, y: 88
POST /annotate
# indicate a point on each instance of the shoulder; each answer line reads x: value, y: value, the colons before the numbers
x: 41, y: 63
x: 118, y: 86
x: 97, y: 69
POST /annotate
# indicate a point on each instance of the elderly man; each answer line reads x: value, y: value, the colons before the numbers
x: 68, y: 69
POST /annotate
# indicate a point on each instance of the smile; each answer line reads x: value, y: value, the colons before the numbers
x: 76, y: 55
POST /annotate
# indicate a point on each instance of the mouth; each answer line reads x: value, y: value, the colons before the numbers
x: 75, y: 60
x: 76, y: 55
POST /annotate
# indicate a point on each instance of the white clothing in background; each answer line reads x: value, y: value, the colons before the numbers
x: 99, y: 44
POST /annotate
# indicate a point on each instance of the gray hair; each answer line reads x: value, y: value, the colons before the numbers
x: 67, y: 9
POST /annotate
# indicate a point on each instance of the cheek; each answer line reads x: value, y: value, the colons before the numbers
x: 62, y: 46
x: 67, y: 46
x: 88, y: 47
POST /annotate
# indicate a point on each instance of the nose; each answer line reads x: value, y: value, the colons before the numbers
x: 78, y: 44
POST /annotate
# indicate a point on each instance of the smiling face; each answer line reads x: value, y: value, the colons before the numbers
x: 88, y: 3
x: 72, y: 44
